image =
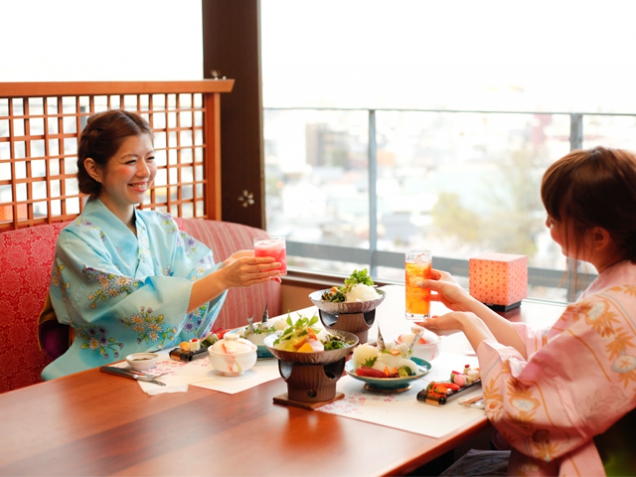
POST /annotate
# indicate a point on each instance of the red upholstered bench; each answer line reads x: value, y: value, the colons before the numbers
x: 26, y: 256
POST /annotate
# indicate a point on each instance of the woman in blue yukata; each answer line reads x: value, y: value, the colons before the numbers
x: 128, y: 280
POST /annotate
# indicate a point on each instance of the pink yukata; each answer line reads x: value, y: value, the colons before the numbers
x: 578, y: 380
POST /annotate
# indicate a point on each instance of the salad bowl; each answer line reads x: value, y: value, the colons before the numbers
x: 317, y: 357
x: 390, y: 385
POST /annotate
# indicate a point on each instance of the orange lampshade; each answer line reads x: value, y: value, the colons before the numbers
x: 499, y: 280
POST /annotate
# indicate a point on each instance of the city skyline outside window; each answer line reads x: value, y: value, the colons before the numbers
x: 457, y: 183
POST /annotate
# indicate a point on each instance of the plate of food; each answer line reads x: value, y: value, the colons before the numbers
x: 386, y: 370
x: 305, y: 343
x: 357, y: 295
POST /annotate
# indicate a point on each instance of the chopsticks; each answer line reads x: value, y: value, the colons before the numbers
x: 472, y: 400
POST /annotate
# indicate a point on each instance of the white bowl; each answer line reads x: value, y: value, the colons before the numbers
x: 232, y: 356
x: 428, y: 351
x: 142, y: 361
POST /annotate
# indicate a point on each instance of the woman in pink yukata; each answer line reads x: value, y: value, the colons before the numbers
x: 550, y: 392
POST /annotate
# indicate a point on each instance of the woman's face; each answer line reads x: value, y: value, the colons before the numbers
x: 128, y: 174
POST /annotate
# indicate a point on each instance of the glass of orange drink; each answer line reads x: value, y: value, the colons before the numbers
x: 417, y: 267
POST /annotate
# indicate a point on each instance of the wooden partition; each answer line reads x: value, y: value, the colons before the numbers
x: 40, y: 124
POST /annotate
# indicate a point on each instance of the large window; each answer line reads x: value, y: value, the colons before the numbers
x: 418, y: 125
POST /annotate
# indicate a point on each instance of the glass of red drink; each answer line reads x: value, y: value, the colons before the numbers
x: 274, y: 246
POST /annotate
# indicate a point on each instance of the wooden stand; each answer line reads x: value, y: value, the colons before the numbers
x: 284, y: 400
x: 311, y: 383
x: 356, y: 323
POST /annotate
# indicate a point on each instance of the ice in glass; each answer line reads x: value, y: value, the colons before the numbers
x: 418, y: 300
x: 274, y: 246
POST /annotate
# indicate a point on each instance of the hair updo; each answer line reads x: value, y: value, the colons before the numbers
x: 595, y: 188
x: 100, y: 140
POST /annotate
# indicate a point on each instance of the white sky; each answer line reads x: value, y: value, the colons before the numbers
x: 100, y: 40
x: 554, y: 55
x: 544, y: 55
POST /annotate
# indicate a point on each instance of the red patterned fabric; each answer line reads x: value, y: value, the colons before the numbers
x: 26, y: 257
x: 225, y: 238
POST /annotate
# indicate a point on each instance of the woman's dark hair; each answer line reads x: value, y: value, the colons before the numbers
x: 594, y: 188
x: 101, y: 138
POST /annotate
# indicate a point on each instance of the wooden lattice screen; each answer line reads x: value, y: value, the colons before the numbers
x: 40, y: 124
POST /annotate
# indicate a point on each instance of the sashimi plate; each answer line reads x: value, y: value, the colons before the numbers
x: 390, y: 385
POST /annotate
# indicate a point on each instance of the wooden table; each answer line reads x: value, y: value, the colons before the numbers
x: 91, y: 423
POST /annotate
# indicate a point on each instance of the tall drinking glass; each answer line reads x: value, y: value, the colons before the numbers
x: 274, y: 246
x: 418, y: 300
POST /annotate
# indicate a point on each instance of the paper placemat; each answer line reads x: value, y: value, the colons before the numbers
x: 200, y: 373
x: 403, y: 410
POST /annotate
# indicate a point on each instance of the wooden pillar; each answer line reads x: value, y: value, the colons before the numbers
x: 231, y: 48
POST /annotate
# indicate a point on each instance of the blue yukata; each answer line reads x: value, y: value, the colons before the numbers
x: 124, y: 294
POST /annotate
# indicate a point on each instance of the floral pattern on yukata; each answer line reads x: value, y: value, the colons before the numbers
x: 189, y: 243
x: 202, y: 267
x: 167, y: 220
x: 149, y: 328
x: 194, y: 320
x: 144, y: 248
x: 80, y: 222
x: 57, y: 280
x: 604, y: 320
x: 112, y: 285
x: 96, y: 339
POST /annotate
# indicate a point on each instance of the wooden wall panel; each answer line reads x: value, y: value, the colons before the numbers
x: 40, y: 124
x: 231, y: 47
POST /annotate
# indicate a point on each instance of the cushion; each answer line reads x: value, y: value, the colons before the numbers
x: 25, y: 269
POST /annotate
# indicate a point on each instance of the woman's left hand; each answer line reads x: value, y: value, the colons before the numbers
x: 470, y: 324
x: 445, y: 324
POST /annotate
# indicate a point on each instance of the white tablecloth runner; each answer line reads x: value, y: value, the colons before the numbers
x: 201, y: 373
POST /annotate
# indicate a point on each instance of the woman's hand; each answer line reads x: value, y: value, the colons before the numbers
x: 243, y: 270
x: 448, y: 291
x: 446, y: 324
x: 470, y: 324
x: 235, y: 256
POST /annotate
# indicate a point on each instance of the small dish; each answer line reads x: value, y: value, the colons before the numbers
x: 257, y: 338
x: 232, y: 355
x: 142, y: 361
x: 390, y: 385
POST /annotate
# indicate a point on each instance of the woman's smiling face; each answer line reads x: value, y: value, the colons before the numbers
x: 128, y: 175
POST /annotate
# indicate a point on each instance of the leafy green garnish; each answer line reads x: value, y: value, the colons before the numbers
x: 358, y: 277
x: 370, y: 362
x: 298, y: 329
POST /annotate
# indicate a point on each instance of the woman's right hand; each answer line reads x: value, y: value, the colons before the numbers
x: 244, y: 270
x: 448, y: 291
